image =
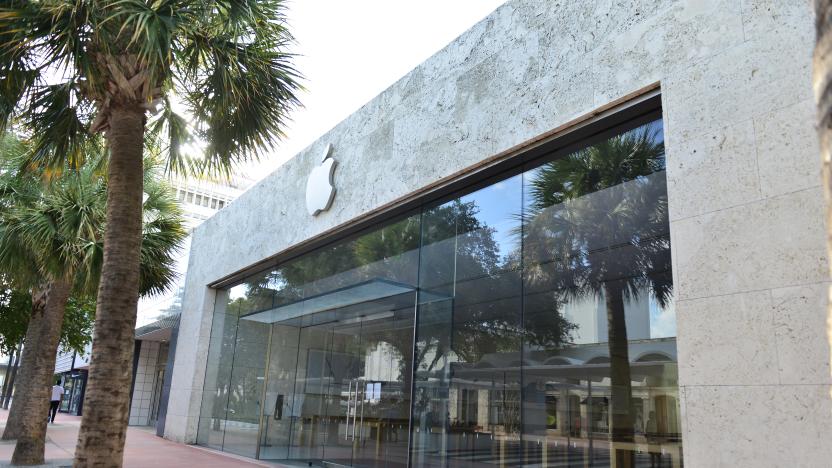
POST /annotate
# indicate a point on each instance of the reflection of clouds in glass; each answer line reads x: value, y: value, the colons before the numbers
x: 662, y: 319
x: 237, y: 292
x: 499, y: 186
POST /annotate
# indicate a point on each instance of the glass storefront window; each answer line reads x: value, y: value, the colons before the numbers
x: 599, y: 352
x: 334, y: 329
x: 212, y: 417
x: 530, y: 322
x: 467, y: 387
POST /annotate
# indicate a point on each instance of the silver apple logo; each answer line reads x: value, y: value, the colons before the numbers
x: 319, y: 189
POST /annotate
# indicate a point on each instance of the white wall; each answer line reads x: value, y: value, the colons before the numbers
x: 145, y: 381
x: 749, y: 256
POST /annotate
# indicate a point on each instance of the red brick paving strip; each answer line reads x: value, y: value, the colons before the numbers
x: 143, y: 448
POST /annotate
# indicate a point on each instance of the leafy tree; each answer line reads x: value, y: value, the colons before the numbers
x: 72, y: 68
x: 14, y: 315
x: 15, y: 306
x: 598, y: 227
x: 76, y: 331
x: 51, y: 241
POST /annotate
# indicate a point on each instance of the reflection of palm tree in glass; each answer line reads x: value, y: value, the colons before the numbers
x: 597, y: 226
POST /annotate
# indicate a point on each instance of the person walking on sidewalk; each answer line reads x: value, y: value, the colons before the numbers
x: 57, y: 396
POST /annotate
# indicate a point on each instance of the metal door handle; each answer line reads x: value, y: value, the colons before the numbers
x: 278, y: 408
x: 363, y: 399
x: 355, y: 409
x: 349, y: 398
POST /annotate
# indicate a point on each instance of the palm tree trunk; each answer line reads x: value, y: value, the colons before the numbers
x: 106, y: 405
x: 822, y: 82
x: 31, y: 440
x: 621, y: 426
x: 7, y: 396
x: 25, y: 376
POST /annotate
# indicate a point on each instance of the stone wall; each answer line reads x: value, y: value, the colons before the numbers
x: 744, y: 189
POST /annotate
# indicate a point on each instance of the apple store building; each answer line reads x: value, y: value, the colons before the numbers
x: 535, y: 249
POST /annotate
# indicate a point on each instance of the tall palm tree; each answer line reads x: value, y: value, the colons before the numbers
x: 58, y: 231
x: 71, y: 68
x: 597, y: 226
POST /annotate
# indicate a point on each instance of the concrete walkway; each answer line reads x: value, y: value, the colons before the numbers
x: 143, y: 449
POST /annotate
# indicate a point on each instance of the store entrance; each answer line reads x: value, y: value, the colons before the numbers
x: 338, y: 385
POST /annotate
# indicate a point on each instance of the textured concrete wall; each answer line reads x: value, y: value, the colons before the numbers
x: 746, y: 206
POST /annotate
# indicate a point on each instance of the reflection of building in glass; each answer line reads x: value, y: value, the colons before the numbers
x: 589, y: 314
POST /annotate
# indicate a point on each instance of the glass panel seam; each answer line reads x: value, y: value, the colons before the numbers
x: 413, y: 341
x: 263, y: 393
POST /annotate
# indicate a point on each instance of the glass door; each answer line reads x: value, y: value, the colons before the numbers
x: 281, y: 408
x: 382, y: 391
x: 338, y: 388
x: 343, y: 410
x: 157, y: 394
x: 69, y: 384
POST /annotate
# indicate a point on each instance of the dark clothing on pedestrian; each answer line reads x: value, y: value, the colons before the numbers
x: 53, y: 409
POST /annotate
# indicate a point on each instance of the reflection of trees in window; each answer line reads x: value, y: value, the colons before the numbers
x: 378, y: 254
x: 461, y: 259
x: 243, y: 395
x: 597, y: 226
x: 382, y: 253
x: 479, y: 326
x: 459, y: 253
x: 505, y: 410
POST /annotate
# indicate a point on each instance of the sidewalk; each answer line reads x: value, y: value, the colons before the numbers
x: 143, y: 449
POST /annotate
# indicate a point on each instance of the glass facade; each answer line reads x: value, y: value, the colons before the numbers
x: 529, y: 322
x: 73, y: 383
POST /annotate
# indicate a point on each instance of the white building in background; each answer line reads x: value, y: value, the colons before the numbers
x: 199, y: 199
x: 158, y: 315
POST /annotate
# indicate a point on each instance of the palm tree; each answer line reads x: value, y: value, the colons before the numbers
x: 71, y: 68
x: 58, y: 231
x: 20, y: 263
x: 597, y: 226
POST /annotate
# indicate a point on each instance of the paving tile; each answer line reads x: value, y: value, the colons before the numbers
x: 143, y: 449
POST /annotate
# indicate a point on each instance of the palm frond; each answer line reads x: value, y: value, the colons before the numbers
x: 238, y: 80
x: 167, y: 134
x: 65, y: 63
x: 59, y: 132
x: 57, y: 229
x: 146, y: 29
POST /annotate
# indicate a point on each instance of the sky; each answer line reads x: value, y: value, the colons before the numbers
x: 349, y: 52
